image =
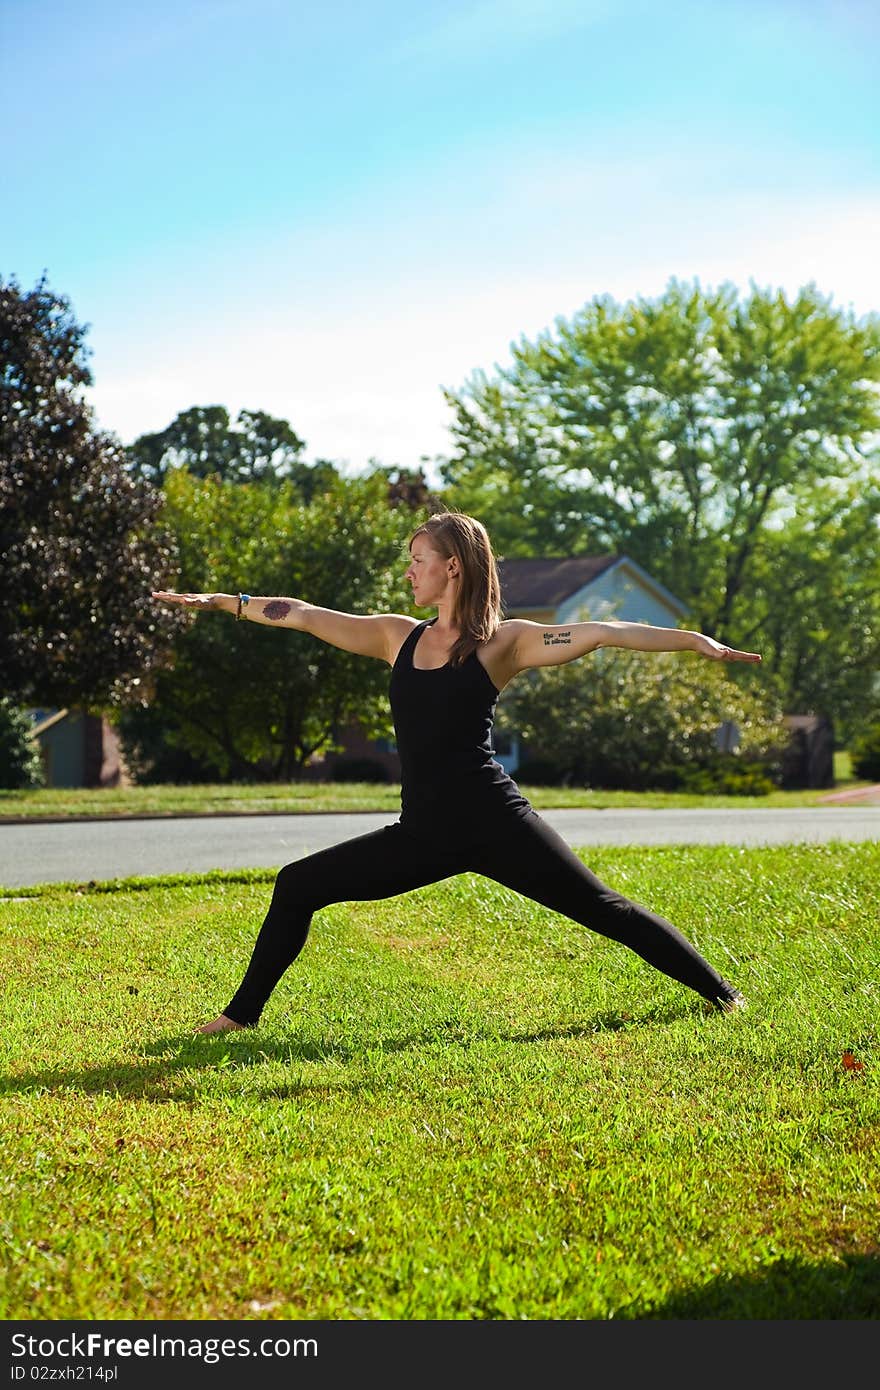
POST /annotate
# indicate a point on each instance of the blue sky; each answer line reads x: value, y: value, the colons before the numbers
x: 330, y: 211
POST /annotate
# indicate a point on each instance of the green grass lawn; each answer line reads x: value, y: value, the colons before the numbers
x: 277, y: 798
x: 457, y: 1106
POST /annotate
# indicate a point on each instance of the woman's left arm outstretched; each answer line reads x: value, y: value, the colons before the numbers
x: 552, y: 644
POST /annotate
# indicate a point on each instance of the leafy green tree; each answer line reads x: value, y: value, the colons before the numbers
x: 624, y: 719
x: 709, y: 437
x: 203, y: 441
x: 82, y: 541
x: 256, y: 703
x: 814, y: 605
x: 678, y: 430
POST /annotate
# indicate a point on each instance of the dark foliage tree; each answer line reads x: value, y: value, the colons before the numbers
x: 408, y: 487
x: 81, y: 540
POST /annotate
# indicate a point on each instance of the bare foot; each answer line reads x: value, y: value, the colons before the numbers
x: 221, y: 1024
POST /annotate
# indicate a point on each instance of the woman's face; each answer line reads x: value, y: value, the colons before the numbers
x: 429, y: 573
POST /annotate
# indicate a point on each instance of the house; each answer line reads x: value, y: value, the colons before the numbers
x: 568, y: 590
x: 78, y: 749
x: 576, y: 588
x: 552, y: 590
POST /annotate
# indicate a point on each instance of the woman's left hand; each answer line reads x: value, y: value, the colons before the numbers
x: 716, y: 651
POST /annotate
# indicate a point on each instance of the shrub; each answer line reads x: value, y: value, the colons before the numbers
x: 359, y: 770
x: 20, y: 763
x: 638, y: 720
x: 728, y: 776
x: 865, y: 752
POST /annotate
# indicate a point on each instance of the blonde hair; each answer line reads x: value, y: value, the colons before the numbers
x: 478, y: 603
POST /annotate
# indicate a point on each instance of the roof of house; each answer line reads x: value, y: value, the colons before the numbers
x: 536, y: 583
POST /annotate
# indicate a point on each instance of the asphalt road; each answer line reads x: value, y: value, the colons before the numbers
x: 85, y: 850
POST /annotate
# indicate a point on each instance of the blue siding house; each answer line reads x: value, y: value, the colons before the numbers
x: 577, y: 589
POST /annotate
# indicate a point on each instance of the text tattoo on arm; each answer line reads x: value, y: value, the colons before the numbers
x: 276, y: 610
x: 557, y: 639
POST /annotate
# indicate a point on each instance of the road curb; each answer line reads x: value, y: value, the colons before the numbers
x: 180, y: 815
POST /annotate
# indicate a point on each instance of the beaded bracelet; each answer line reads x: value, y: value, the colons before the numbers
x: 243, y: 601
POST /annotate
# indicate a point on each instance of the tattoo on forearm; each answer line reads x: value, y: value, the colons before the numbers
x: 557, y: 639
x: 276, y: 610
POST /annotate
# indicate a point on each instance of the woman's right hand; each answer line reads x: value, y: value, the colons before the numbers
x: 190, y: 600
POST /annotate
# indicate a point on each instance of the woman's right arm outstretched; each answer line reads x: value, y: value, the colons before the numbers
x: 379, y: 635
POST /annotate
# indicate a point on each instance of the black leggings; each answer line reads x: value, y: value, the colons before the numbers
x: 529, y: 857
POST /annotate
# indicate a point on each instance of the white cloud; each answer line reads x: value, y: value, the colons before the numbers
x: 357, y: 365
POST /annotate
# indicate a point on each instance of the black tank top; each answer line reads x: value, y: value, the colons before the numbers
x: 451, y: 784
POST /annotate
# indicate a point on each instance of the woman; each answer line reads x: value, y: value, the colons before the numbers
x: 460, y: 812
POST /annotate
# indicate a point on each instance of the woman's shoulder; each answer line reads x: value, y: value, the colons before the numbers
x: 504, y: 636
x: 400, y: 627
x: 497, y: 654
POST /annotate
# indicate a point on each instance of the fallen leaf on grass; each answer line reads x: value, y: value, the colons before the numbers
x: 852, y: 1063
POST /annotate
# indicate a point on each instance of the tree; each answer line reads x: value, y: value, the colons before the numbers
x: 702, y: 435
x: 82, y: 541
x: 814, y: 604
x: 202, y: 440
x: 407, y: 487
x: 677, y: 429
x: 255, y: 703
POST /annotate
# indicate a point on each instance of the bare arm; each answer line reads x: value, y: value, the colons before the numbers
x: 378, y: 635
x: 548, y: 644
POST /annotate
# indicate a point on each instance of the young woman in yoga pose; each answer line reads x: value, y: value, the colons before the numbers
x: 460, y: 811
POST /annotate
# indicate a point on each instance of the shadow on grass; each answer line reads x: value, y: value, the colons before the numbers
x: 616, y: 1023
x: 169, y: 1073
x: 787, y: 1289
